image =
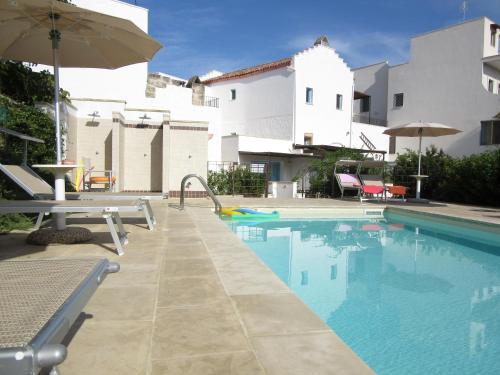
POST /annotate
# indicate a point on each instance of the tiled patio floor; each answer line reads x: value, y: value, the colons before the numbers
x: 192, y: 299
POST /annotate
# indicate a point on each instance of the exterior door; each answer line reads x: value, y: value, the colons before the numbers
x: 275, y: 167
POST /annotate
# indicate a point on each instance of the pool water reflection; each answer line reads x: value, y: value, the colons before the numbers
x: 408, y: 296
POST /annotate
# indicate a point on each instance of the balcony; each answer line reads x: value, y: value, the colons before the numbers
x: 211, y: 101
x: 366, y: 118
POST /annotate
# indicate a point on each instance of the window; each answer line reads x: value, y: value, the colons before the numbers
x: 309, y: 95
x: 493, y: 37
x: 490, y: 85
x: 339, y: 101
x: 257, y: 167
x: 398, y: 100
x: 233, y: 94
x: 490, y: 133
x: 365, y: 104
x: 304, y: 278
x: 333, y: 272
x: 308, y: 139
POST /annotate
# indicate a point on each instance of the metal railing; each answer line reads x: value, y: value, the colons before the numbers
x: 211, y: 101
x: 210, y: 193
x: 368, y: 119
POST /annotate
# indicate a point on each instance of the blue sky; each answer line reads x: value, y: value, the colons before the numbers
x: 231, y: 34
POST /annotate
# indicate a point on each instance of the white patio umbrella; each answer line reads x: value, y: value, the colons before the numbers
x: 421, y: 129
x: 63, y: 35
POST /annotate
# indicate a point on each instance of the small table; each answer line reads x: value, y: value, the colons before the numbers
x: 419, y: 178
x: 59, y: 171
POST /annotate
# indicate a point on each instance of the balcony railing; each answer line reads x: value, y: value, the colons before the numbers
x: 211, y: 101
x: 367, y: 119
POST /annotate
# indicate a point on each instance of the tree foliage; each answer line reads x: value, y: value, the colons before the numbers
x: 473, y: 179
x: 20, y: 89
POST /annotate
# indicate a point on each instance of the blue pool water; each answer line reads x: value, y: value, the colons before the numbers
x: 409, y: 296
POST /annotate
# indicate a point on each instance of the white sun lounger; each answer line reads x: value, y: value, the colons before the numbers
x: 109, y: 210
x: 39, y: 302
x: 38, y: 188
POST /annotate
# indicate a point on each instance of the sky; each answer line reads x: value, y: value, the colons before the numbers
x: 225, y: 35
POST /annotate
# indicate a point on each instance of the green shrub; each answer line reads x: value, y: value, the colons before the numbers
x: 473, y: 179
x: 240, y: 180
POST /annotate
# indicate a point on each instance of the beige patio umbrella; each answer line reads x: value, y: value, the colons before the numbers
x: 421, y: 129
x: 63, y: 35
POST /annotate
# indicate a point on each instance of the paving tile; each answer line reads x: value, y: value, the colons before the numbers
x: 312, y: 353
x: 186, y: 251
x: 184, y: 240
x: 277, y: 314
x: 197, y: 330
x: 133, y: 275
x: 128, y: 303
x: 188, y: 267
x: 190, y: 291
x: 251, y: 282
x: 236, y: 258
x: 240, y: 363
x: 109, y: 348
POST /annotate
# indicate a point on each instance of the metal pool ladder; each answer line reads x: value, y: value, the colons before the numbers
x: 210, y: 193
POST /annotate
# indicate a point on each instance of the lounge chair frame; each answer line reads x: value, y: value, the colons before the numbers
x: 379, y: 179
x: 25, y: 352
x: 44, y: 191
x: 110, y: 212
x: 343, y: 188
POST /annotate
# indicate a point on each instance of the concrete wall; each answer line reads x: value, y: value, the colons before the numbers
x: 373, y: 80
x: 142, y: 167
x: 443, y: 82
x: 185, y: 146
x: 321, y: 69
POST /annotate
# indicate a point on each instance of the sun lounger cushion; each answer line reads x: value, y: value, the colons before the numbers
x: 370, y: 189
x: 348, y: 180
x: 397, y: 190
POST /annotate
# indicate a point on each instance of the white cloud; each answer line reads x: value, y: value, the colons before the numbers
x: 360, y: 48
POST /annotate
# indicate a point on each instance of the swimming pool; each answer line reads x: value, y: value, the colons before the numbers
x: 410, y: 295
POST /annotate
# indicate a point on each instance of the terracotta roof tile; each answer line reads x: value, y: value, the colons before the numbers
x: 251, y: 71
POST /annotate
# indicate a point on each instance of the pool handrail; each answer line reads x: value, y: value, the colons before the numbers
x: 210, y: 193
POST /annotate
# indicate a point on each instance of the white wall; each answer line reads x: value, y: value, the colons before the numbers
x: 232, y: 144
x: 127, y: 83
x: 373, y: 133
x: 263, y: 107
x: 443, y: 82
x: 321, y: 69
x: 373, y: 80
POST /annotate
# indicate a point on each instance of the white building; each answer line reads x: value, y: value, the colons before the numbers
x: 452, y: 77
x: 270, y: 111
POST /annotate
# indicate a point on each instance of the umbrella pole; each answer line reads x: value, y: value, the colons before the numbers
x: 55, y: 36
x: 419, y: 162
x: 60, y: 193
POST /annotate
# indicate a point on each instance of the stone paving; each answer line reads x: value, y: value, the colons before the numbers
x: 191, y: 298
